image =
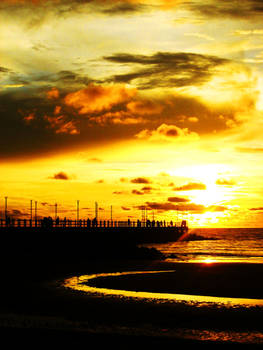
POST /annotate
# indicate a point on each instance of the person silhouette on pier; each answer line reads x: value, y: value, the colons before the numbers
x: 88, y: 222
x: 94, y: 222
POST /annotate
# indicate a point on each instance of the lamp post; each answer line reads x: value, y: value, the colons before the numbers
x: 6, y: 209
x: 77, y: 211
x: 35, y: 213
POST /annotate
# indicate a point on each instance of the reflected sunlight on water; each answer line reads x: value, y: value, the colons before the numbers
x: 220, y: 245
x: 80, y: 283
x: 211, y: 305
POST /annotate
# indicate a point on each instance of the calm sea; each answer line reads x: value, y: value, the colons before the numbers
x: 216, y: 244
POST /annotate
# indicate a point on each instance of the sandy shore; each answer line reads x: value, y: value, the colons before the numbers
x: 35, y: 306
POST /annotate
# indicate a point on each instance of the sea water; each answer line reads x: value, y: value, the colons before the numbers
x: 216, y: 245
x: 243, y: 246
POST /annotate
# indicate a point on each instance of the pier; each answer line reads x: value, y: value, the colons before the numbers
x: 46, y: 235
x: 48, y: 222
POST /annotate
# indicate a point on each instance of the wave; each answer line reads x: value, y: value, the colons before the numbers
x: 196, y: 237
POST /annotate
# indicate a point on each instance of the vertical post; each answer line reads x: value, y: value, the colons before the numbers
x: 35, y: 210
x: 143, y: 216
x: 77, y: 210
x: 96, y: 210
x: 31, y: 210
x: 111, y: 214
x: 35, y: 213
x: 56, y: 211
x: 6, y: 209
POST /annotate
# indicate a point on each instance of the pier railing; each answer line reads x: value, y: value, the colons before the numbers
x: 87, y: 223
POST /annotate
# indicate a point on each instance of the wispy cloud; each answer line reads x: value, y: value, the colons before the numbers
x: 61, y: 176
x: 191, y: 186
x: 141, y: 180
x: 167, y: 69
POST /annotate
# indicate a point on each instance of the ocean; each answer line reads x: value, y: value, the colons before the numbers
x: 208, y: 289
x: 216, y: 245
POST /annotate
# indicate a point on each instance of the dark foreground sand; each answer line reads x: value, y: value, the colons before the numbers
x: 35, y: 309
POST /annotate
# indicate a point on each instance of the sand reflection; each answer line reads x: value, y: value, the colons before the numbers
x: 81, y: 283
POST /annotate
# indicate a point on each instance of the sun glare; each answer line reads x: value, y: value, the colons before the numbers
x: 207, y: 175
x: 209, y: 261
x: 211, y: 196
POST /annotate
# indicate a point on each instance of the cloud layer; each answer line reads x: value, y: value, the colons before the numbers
x: 166, y: 69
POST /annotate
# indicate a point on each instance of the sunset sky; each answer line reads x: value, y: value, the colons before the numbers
x: 131, y: 103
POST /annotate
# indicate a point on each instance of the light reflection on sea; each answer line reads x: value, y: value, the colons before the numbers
x: 217, y: 244
x: 81, y: 283
x: 199, y: 245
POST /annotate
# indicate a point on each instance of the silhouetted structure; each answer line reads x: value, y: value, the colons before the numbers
x: 48, y: 222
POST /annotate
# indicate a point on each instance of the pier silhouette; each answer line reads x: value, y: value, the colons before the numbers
x: 48, y: 222
x: 65, y: 238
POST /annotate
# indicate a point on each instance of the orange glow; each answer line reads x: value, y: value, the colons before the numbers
x: 148, y: 94
x: 80, y: 283
x: 97, y: 98
x: 209, y: 261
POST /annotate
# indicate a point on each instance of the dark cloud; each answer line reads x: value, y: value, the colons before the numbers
x: 144, y: 190
x: 37, y: 122
x: 245, y: 9
x: 41, y: 9
x: 58, y: 116
x: 137, y: 192
x: 167, y: 69
x: 125, y: 208
x: 190, y: 187
x: 257, y: 209
x: 15, y: 213
x: 65, y: 79
x: 71, y: 78
x: 147, y: 189
x: 36, y: 12
x: 184, y: 207
x: 60, y: 176
x: 45, y: 204
x: 47, y: 120
x: 125, y: 8
x: 4, y: 70
x: 178, y: 199
x: 141, y: 180
x: 167, y: 206
x: 101, y: 181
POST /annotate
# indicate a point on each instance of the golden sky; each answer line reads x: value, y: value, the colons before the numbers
x: 131, y: 103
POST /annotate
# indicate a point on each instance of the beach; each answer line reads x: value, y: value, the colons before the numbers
x: 36, y: 305
x: 61, y: 291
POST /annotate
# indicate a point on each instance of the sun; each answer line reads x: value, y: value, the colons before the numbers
x: 211, y: 196
x: 206, y: 174
x: 209, y: 261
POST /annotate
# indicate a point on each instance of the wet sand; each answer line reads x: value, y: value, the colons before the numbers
x: 236, y: 280
x: 34, y: 306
